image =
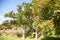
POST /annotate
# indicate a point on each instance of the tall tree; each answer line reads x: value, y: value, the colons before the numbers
x: 22, y: 17
x: 43, y: 9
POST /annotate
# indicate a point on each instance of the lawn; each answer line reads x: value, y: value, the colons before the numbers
x: 8, y: 37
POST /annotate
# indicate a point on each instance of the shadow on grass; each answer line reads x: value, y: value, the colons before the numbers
x: 51, y: 38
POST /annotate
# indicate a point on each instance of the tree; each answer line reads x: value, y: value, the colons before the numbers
x: 45, y: 10
x: 22, y: 17
x: 41, y: 15
x: 6, y: 25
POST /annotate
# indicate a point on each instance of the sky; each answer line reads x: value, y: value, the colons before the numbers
x: 8, y: 5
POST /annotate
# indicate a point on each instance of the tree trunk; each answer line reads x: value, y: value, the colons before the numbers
x: 36, y: 34
x: 23, y: 30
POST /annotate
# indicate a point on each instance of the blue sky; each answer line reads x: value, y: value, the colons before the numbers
x: 8, y: 5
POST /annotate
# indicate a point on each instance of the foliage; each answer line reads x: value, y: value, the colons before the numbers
x: 40, y: 17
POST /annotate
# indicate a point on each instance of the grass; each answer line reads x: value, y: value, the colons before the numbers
x: 9, y: 37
